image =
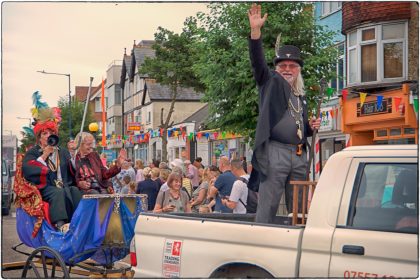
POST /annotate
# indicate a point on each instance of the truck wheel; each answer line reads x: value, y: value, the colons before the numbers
x: 240, y: 270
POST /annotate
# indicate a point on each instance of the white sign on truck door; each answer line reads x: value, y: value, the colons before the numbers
x: 171, y: 266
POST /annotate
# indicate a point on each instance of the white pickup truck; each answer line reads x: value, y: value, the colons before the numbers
x: 362, y: 223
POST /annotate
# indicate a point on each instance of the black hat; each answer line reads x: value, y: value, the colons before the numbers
x: 288, y: 52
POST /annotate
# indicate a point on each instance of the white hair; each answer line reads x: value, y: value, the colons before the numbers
x: 298, y: 85
x: 81, y: 136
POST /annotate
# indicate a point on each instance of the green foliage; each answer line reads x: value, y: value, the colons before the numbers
x: 77, y: 109
x: 172, y: 66
x: 224, y: 65
x: 26, y: 142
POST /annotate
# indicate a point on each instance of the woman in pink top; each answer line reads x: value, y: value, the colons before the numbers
x: 139, y: 170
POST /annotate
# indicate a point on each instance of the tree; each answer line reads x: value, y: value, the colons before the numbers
x: 77, y: 109
x: 172, y: 66
x: 224, y: 66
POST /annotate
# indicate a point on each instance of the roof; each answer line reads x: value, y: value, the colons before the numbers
x: 81, y: 93
x: 199, y: 116
x: 159, y: 92
x: 139, y: 54
x: 125, y: 70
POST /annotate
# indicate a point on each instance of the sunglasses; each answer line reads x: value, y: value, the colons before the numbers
x: 284, y: 66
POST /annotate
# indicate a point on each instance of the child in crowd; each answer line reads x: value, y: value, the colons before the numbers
x: 126, y: 184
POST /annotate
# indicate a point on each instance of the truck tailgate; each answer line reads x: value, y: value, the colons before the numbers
x: 170, y: 246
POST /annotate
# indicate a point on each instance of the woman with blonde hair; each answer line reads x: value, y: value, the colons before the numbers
x: 148, y: 187
x: 200, y: 194
x: 174, y: 199
x: 139, y: 170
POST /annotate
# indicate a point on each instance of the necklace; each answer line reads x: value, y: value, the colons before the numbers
x: 297, y: 116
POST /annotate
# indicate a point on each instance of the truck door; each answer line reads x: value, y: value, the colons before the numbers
x: 377, y: 227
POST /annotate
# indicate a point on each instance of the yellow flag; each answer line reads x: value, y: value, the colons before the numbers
x: 362, y: 98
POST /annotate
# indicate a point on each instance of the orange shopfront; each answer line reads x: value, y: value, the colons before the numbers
x: 371, y: 124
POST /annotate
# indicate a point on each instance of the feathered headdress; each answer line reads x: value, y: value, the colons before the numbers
x: 44, y: 116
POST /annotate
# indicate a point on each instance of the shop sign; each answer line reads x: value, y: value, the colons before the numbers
x: 326, y: 120
x: 372, y: 108
x: 133, y: 126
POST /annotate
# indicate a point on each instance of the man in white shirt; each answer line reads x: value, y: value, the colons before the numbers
x: 238, y: 196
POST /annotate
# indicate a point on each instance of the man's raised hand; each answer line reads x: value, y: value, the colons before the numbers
x: 255, y: 20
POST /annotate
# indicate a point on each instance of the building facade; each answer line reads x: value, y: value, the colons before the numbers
x: 331, y: 137
x: 382, y: 67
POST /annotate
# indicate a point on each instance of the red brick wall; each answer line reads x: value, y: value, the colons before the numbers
x: 358, y: 13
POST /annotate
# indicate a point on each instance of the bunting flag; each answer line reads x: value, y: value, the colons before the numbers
x: 332, y: 113
x: 344, y: 92
x: 379, y: 99
x: 416, y: 104
x: 362, y: 98
x: 330, y: 92
x: 103, y: 114
x: 397, y: 101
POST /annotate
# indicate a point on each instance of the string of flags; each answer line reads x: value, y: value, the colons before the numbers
x: 379, y: 98
x: 180, y: 132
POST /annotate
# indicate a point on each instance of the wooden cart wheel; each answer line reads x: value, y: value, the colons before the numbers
x: 44, y: 260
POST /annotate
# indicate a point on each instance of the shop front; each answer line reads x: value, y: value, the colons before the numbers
x: 381, y: 117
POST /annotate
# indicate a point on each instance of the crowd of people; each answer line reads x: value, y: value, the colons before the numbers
x: 184, y: 186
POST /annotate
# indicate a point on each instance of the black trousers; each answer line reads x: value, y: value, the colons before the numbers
x: 62, y: 201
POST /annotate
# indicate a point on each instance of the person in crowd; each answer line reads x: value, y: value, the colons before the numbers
x: 126, y: 184
x: 49, y: 168
x: 91, y: 176
x: 155, y: 176
x: 244, y: 164
x: 282, y: 128
x: 192, y: 173
x: 163, y: 165
x: 186, y: 184
x: 238, y: 196
x: 149, y: 187
x: 198, y: 163
x: 126, y: 169
x: 130, y: 169
x: 154, y: 163
x: 199, y: 195
x: 130, y: 187
x: 174, y: 199
x: 163, y: 175
x: 175, y: 169
x: 210, y: 201
x: 223, y: 185
x: 139, y: 170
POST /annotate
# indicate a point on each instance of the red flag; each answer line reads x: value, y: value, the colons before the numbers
x: 397, y: 101
x: 344, y: 92
x: 103, y: 114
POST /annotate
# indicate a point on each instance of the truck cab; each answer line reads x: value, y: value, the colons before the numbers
x: 362, y: 223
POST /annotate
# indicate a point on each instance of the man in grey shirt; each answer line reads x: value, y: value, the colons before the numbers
x: 238, y: 195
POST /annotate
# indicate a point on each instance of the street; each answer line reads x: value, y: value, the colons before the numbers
x: 10, y: 238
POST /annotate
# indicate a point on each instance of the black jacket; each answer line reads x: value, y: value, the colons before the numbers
x: 274, y: 93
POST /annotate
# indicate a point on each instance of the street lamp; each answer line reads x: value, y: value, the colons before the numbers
x: 68, y: 75
x: 22, y: 118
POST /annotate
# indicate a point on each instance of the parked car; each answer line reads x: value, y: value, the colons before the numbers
x: 362, y: 223
x: 6, y: 188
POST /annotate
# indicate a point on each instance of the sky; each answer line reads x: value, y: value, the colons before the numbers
x: 81, y: 39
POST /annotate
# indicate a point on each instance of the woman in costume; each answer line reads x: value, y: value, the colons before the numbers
x: 91, y: 176
x: 49, y: 167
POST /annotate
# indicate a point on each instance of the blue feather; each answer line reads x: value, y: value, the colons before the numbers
x: 28, y: 131
x: 36, y: 99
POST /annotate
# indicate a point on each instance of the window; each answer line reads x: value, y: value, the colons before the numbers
x: 337, y: 82
x: 149, y: 117
x: 377, y: 53
x: 117, y: 94
x: 98, y: 105
x: 330, y: 7
x: 385, y: 198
